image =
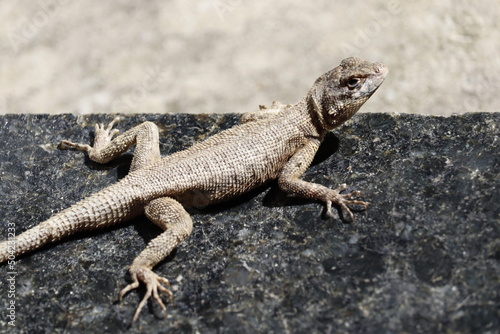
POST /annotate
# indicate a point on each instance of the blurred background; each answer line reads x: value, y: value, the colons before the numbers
x: 220, y: 56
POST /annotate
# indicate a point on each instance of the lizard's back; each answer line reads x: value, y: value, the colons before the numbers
x: 226, y: 164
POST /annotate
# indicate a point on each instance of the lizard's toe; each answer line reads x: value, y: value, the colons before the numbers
x: 104, y: 134
x: 66, y: 144
x: 153, y: 284
x: 344, y: 201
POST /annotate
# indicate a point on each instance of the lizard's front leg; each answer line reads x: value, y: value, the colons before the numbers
x: 289, y: 182
x: 171, y: 216
x: 105, y: 148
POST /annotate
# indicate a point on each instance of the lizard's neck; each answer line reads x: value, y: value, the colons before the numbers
x: 310, y: 122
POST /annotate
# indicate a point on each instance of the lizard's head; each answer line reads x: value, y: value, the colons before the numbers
x: 339, y: 93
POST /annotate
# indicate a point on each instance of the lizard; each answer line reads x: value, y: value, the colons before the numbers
x: 278, y: 143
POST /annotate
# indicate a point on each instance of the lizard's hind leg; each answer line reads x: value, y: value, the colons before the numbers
x: 170, y: 215
x: 144, y: 136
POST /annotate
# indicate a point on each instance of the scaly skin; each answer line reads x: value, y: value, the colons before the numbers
x: 276, y: 143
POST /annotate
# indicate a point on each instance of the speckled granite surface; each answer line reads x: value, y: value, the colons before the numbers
x: 423, y: 258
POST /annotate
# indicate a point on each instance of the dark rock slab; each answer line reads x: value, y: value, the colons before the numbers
x: 424, y: 258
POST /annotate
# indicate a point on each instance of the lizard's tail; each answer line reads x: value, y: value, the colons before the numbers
x: 109, y: 206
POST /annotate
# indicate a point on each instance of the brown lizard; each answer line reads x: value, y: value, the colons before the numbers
x: 272, y: 144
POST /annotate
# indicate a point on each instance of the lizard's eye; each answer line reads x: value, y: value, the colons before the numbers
x: 353, y: 82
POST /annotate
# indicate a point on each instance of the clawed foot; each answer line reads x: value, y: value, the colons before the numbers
x: 153, y: 285
x: 343, y: 200
x: 103, y: 136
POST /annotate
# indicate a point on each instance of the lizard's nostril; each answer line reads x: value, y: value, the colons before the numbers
x: 380, y: 68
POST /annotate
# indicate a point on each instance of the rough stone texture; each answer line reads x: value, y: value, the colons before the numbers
x: 219, y: 56
x: 424, y: 258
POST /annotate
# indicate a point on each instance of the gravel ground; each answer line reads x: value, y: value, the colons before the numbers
x: 215, y: 56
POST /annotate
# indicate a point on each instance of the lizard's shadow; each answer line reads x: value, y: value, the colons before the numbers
x: 121, y: 164
x: 328, y: 147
